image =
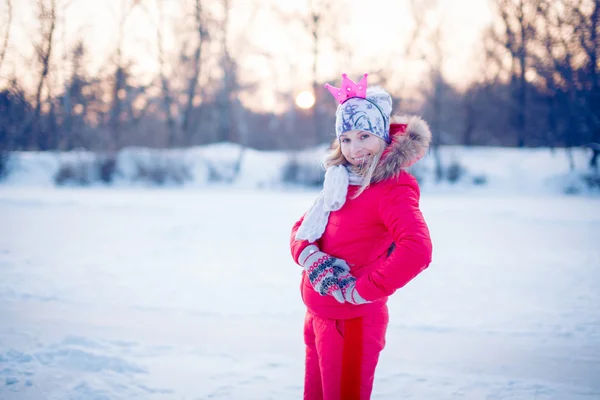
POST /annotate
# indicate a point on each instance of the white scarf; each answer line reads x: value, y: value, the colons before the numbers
x: 331, y: 198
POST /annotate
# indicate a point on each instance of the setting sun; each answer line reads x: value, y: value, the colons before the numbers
x: 305, y: 99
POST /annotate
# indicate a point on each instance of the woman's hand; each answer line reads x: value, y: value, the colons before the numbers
x: 347, y: 283
x: 323, y: 271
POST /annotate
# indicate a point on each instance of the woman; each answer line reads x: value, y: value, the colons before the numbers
x: 363, y: 239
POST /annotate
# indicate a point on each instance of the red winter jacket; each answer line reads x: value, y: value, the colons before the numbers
x: 381, y: 234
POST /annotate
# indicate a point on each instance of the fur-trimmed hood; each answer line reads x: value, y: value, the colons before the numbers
x: 405, y: 149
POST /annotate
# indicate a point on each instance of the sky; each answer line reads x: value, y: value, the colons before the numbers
x: 272, y: 53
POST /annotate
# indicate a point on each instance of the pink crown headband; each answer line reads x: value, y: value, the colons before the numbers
x: 349, y: 89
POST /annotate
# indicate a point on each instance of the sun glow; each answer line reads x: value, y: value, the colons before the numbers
x: 305, y: 99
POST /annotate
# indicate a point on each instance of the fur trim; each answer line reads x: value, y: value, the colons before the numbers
x: 405, y: 149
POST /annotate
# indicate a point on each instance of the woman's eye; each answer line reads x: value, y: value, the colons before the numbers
x: 345, y: 140
x: 365, y: 136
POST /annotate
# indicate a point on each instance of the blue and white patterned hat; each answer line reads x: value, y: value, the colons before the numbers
x: 370, y: 114
x: 362, y: 108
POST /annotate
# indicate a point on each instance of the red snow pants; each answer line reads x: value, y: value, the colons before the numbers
x: 341, y: 355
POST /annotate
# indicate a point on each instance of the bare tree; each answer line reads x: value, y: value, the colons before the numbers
x: 470, y: 117
x: 590, y: 42
x: 7, y: 33
x: 436, y: 61
x: 564, y: 59
x: 554, y: 66
x: 228, y: 126
x: 4, y: 135
x: 320, y: 23
x: 73, y: 102
x: 195, y: 75
x: 119, y: 84
x: 43, y: 48
x: 433, y: 54
x: 224, y: 100
x: 315, y: 19
x: 167, y: 99
x: 583, y: 82
x: 517, y: 20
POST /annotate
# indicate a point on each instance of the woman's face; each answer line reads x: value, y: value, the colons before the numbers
x: 359, y: 147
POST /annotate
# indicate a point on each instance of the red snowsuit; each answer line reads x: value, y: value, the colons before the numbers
x: 382, y: 235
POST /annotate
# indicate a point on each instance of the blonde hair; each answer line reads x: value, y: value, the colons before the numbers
x: 335, y: 157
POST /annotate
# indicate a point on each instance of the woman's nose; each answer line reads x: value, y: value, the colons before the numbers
x: 355, y: 147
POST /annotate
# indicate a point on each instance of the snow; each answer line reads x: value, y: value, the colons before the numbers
x: 136, y: 292
x: 491, y: 170
x: 512, y: 170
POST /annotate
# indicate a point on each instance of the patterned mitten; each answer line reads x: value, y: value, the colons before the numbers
x: 323, y: 271
x: 347, y: 283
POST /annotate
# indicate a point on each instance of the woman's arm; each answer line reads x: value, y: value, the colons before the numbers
x: 399, y: 211
x: 297, y: 246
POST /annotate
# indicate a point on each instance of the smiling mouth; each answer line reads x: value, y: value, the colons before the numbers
x: 361, y: 159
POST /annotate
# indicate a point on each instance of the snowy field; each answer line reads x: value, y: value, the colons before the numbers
x: 191, y: 294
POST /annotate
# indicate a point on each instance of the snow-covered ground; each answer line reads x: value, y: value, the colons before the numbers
x: 125, y: 293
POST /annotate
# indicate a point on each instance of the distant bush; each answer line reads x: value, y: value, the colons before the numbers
x: 480, y: 180
x: 592, y: 180
x: 578, y: 183
x: 290, y: 170
x: 454, y: 172
x: 419, y: 172
x: 220, y: 172
x: 296, y: 172
x: 4, y: 155
x: 76, y: 173
x: 213, y: 174
x: 162, y: 171
x: 103, y: 169
x: 106, y: 168
x: 85, y: 171
x: 571, y: 189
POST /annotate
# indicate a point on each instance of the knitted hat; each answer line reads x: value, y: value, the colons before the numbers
x: 362, y: 109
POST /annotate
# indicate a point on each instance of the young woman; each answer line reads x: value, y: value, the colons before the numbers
x: 363, y: 239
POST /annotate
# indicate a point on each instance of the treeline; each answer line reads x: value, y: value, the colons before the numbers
x: 538, y: 83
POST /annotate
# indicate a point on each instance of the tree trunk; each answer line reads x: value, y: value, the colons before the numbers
x: 437, y: 117
x: 7, y: 33
x: 193, y: 81
x: 44, y: 54
x: 470, y: 117
x: 522, y: 83
x: 594, y: 54
x: 167, y: 100
x: 316, y: 110
x: 226, y: 125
